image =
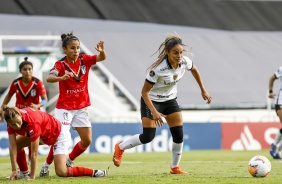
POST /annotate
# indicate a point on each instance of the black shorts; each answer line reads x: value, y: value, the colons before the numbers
x: 165, y: 108
x: 277, y: 107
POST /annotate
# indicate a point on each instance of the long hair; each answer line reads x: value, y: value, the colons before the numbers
x: 10, y: 112
x: 166, y: 46
x: 66, y: 38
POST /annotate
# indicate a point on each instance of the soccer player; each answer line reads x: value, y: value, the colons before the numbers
x: 72, y: 74
x: 158, y: 100
x: 274, y: 150
x: 28, y: 89
x: 37, y: 127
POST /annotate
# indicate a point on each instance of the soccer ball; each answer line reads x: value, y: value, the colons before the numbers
x: 259, y: 166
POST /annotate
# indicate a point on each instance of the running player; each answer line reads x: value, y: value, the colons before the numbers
x: 37, y: 127
x: 274, y: 150
x: 158, y: 100
x: 72, y: 74
x: 28, y: 89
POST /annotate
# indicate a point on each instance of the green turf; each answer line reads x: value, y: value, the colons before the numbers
x: 214, y: 166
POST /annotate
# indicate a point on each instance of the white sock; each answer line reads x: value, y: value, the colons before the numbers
x: 130, y: 142
x: 277, y: 138
x: 176, y: 154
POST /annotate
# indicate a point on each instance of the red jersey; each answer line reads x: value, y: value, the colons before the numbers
x: 74, y: 91
x: 25, y: 95
x: 38, y: 124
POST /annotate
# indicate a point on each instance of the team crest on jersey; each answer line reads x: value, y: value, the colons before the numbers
x: 33, y: 92
x: 152, y: 73
x: 83, y: 69
x: 175, y: 77
x: 66, y: 116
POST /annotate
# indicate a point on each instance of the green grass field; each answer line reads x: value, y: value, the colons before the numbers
x: 209, y: 166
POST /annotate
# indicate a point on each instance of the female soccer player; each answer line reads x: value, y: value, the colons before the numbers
x: 28, y: 89
x: 37, y: 127
x: 274, y: 151
x: 159, y: 100
x: 72, y: 74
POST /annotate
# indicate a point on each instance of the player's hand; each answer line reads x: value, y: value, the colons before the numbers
x: 100, y: 46
x: 271, y: 95
x: 14, y: 175
x: 206, y: 96
x: 158, y: 118
x: 34, y: 106
x: 67, y: 75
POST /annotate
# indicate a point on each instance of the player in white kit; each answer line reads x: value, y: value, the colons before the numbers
x: 274, y: 150
x: 158, y: 100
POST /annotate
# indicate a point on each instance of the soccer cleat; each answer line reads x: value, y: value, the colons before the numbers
x: 273, y: 152
x: 100, y: 173
x: 21, y: 175
x: 117, y: 155
x: 69, y: 163
x: 45, y: 170
x: 177, y: 170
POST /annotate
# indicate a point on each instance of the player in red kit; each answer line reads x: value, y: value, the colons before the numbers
x: 72, y: 74
x: 28, y: 89
x: 36, y: 127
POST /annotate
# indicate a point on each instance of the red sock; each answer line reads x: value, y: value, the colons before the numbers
x: 80, y: 171
x: 77, y: 150
x: 50, y: 157
x: 21, y: 160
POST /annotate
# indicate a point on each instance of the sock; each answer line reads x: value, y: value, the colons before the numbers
x: 277, y: 138
x: 80, y: 171
x: 50, y: 157
x: 21, y: 160
x: 176, y: 154
x: 130, y: 142
x: 77, y: 150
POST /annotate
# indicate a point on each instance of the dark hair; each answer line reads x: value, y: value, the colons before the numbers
x: 167, y: 45
x: 66, y: 38
x: 10, y: 112
x: 25, y: 62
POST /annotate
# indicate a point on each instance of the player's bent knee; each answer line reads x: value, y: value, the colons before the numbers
x: 148, y: 135
x: 61, y: 172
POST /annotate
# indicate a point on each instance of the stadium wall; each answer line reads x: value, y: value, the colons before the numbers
x: 197, y: 136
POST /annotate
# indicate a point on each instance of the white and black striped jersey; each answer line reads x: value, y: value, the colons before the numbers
x: 164, y: 79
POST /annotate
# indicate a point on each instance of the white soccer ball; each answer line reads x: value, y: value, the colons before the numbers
x: 259, y: 166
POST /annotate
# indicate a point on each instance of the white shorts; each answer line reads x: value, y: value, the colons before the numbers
x: 63, y: 142
x: 75, y: 118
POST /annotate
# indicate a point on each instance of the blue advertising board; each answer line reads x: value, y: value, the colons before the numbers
x: 197, y: 136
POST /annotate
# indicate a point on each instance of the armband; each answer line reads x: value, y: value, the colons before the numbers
x: 43, y: 102
x: 270, y: 91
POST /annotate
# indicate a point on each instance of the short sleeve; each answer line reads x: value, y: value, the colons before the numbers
x: 57, y: 68
x: 152, y: 77
x: 188, y: 62
x: 34, y: 131
x: 10, y: 130
x: 41, y: 88
x: 89, y: 60
x: 12, y: 89
x: 278, y: 73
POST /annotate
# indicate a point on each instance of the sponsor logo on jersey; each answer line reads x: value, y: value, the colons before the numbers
x: 74, y: 91
x: 164, y: 96
x: 171, y: 83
